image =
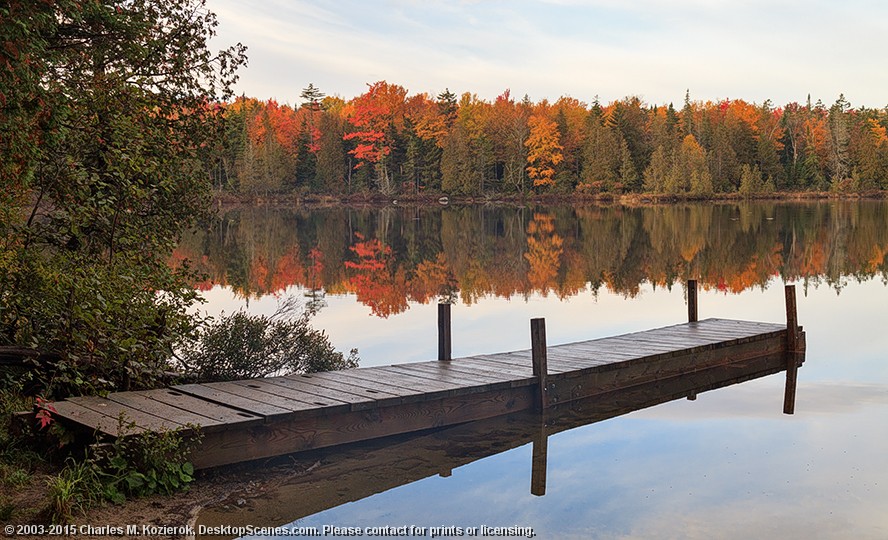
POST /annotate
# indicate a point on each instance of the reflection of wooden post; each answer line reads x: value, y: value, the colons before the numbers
x: 539, y: 460
x: 538, y: 351
x: 444, y: 332
x: 692, y: 300
x: 792, y: 344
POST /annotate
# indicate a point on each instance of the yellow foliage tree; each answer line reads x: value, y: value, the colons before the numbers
x: 543, y: 150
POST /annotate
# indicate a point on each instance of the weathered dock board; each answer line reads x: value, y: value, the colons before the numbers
x: 251, y: 419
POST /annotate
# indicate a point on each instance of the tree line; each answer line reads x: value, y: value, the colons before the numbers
x: 389, y: 142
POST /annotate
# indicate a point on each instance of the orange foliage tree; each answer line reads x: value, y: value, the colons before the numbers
x: 378, y: 115
x: 544, y: 151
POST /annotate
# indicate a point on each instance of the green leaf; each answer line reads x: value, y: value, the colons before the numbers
x: 135, y: 480
x: 118, y: 462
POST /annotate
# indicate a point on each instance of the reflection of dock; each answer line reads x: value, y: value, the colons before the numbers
x: 353, y: 472
x: 251, y: 419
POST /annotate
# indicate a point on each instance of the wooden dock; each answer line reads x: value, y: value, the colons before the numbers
x: 260, y: 418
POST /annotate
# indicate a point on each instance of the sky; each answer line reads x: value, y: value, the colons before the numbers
x: 716, y: 49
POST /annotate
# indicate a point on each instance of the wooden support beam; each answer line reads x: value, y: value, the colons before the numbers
x: 444, y: 338
x: 692, y: 300
x: 540, y: 362
x: 792, y: 345
x: 12, y: 355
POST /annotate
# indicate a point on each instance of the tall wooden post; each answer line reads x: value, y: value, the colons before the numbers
x: 444, y: 340
x: 792, y: 344
x: 692, y: 300
x: 540, y: 368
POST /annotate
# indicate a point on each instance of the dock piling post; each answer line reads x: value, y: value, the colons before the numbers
x: 444, y: 341
x: 692, y: 300
x: 792, y: 340
x: 540, y: 368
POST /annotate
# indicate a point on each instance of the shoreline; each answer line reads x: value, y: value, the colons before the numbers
x: 232, y: 200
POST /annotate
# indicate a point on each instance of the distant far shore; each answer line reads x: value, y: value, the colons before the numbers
x: 227, y: 200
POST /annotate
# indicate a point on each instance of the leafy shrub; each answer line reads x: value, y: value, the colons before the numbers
x: 99, y: 326
x: 242, y: 346
x: 136, y: 465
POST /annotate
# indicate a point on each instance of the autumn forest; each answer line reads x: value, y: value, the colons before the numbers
x: 388, y: 142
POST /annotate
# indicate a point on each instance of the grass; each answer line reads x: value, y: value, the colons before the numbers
x: 14, y: 477
x: 17, y: 463
x: 76, y: 489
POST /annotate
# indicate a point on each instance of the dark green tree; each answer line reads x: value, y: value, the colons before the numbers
x: 312, y: 98
x: 601, y: 153
x: 333, y: 166
x: 687, y: 116
x: 839, y: 135
x: 307, y: 164
x: 629, y: 121
x: 629, y: 177
x: 118, y: 99
x: 447, y: 106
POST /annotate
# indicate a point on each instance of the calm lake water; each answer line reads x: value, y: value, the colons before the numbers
x: 727, y: 465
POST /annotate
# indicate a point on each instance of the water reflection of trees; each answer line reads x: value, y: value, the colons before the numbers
x: 389, y: 257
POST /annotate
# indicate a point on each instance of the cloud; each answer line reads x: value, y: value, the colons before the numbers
x: 754, y: 49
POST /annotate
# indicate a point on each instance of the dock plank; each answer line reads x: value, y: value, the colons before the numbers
x: 517, y: 372
x: 564, y: 360
x: 603, y: 353
x: 317, y: 393
x: 446, y: 373
x: 209, y: 409
x: 577, y: 354
x: 404, y: 374
x: 113, y: 409
x: 353, y: 377
x: 516, y: 358
x: 637, y: 345
x: 142, y: 402
x: 264, y: 394
x: 94, y: 420
x: 713, y: 329
x: 349, y: 385
x: 427, y: 386
x: 466, y: 368
x: 313, y: 401
x: 749, y: 327
x: 216, y: 394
